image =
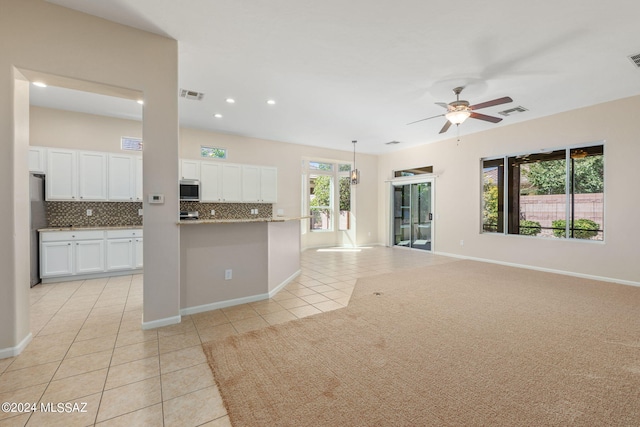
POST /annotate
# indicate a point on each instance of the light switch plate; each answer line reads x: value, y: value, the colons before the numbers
x: 140, y: 212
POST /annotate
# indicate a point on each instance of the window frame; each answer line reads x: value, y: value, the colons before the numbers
x: 336, y: 174
x: 506, y: 213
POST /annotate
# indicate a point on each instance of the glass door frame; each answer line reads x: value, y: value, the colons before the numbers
x: 406, y: 181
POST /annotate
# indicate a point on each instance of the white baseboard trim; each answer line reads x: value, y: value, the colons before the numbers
x: 161, y: 322
x: 223, y: 304
x: 288, y: 280
x: 546, y: 270
x: 238, y: 301
x: 92, y: 276
x: 14, y: 351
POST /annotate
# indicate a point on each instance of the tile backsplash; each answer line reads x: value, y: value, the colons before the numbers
x: 103, y: 214
x: 113, y: 214
x: 228, y: 210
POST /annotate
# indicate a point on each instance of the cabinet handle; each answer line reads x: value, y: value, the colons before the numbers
x: 129, y: 240
x: 68, y: 244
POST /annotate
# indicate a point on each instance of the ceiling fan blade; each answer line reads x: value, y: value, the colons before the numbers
x: 484, y: 117
x: 443, y: 105
x: 491, y: 103
x: 428, y: 118
x: 445, y: 127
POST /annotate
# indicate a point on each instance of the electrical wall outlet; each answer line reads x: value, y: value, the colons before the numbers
x: 89, y: 212
x: 228, y: 274
x: 280, y: 212
x: 139, y: 212
x: 213, y: 212
x: 461, y: 242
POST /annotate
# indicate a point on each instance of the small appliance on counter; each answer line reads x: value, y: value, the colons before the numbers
x: 186, y: 215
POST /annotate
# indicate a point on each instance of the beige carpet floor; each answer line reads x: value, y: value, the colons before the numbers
x: 459, y: 344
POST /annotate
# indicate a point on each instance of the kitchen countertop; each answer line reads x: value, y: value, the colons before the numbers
x: 92, y: 227
x: 237, y: 221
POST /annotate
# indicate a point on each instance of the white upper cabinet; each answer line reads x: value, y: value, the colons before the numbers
x: 259, y: 184
x: 250, y: 183
x: 138, y: 178
x: 38, y: 159
x: 62, y: 172
x: 231, y: 183
x: 92, y: 176
x: 189, y: 169
x: 210, y: 182
x: 122, y: 177
x: 268, y: 184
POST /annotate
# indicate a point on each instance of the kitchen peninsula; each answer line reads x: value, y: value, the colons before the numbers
x: 226, y: 262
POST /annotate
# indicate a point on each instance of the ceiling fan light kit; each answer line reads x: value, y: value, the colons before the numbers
x: 459, y: 110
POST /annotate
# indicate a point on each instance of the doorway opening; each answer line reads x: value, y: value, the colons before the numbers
x: 412, y: 219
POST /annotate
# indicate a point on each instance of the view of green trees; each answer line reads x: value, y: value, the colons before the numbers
x: 549, y: 177
x: 546, y: 178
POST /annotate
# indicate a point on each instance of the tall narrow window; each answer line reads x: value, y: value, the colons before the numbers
x: 493, y: 195
x: 344, y: 196
x: 321, y: 202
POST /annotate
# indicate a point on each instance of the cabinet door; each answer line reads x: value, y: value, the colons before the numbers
x: 210, y: 182
x: 121, y: 177
x: 119, y: 254
x: 89, y: 256
x: 231, y: 183
x: 56, y: 259
x: 61, y: 175
x: 268, y: 185
x: 190, y: 169
x: 138, y: 175
x: 138, y: 253
x: 250, y: 183
x: 92, y: 176
x: 38, y: 159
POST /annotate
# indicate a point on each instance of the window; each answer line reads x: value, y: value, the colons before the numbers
x: 555, y: 194
x: 321, y: 201
x: 129, y: 143
x: 213, y: 153
x: 328, y: 195
x: 344, y: 196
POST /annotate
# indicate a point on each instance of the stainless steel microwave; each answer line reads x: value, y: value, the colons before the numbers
x: 190, y: 190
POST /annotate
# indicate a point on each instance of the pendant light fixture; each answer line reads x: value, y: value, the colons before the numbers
x: 355, y: 174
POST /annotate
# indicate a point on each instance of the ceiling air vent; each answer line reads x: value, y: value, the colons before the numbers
x: 392, y: 143
x: 191, y: 94
x: 512, y: 111
x: 635, y: 59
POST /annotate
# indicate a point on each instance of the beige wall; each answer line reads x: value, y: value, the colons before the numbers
x: 45, y: 38
x: 457, y: 190
x: 67, y: 129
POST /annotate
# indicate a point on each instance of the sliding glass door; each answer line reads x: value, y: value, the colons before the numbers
x: 413, y: 215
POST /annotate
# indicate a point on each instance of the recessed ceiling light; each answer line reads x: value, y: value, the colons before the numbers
x: 140, y: 101
x: 271, y: 102
x: 40, y: 84
x: 231, y: 100
x: 217, y: 116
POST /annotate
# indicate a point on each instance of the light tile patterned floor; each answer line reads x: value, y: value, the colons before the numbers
x: 88, y: 346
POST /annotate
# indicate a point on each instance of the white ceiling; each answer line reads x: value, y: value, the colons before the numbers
x: 362, y: 69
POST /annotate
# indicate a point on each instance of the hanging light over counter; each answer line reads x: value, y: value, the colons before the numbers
x: 355, y: 174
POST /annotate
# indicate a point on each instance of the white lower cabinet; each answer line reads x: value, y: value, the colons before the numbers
x: 89, y: 256
x: 94, y: 252
x: 124, y: 249
x: 67, y: 253
x: 56, y: 259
